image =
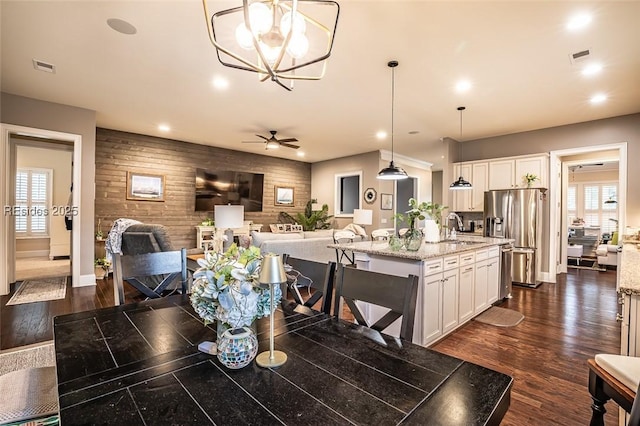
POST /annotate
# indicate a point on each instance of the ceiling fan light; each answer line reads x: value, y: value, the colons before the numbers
x: 272, y: 145
x: 392, y: 172
x: 460, y: 184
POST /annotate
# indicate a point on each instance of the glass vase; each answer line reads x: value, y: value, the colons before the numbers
x: 237, y: 347
x: 413, y: 239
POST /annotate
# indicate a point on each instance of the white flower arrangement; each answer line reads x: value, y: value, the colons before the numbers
x: 226, y: 288
x: 530, y: 178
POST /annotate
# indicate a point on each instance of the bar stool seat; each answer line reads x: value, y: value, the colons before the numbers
x: 616, y: 377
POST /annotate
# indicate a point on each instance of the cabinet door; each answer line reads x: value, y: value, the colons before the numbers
x: 480, y: 294
x: 536, y: 166
x: 449, y: 300
x: 462, y: 199
x: 480, y: 176
x: 501, y: 174
x: 465, y: 292
x: 432, y: 318
x: 493, y: 279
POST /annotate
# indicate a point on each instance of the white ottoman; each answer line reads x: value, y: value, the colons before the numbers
x: 574, y: 250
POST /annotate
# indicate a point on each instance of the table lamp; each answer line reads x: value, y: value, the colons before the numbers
x: 363, y: 217
x: 227, y: 217
x: 271, y: 273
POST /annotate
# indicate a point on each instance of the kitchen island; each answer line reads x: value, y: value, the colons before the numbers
x: 459, y: 279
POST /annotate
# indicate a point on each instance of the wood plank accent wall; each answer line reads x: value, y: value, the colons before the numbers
x: 118, y: 152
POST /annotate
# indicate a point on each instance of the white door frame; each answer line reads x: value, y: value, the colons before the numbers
x: 558, y: 244
x: 7, y: 171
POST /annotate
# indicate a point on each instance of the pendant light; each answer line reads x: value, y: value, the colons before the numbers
x: 461, y: 183
x: 392, y: 172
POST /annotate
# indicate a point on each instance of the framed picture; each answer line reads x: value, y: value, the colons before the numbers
x: 145, y: 187
x: 284, y: 196
x: 386, y: 201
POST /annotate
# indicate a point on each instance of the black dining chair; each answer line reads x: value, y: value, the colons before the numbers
x: 399, y: 294
x: 165, y: 266
x: 314, y: 275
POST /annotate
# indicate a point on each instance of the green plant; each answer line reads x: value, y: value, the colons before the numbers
x: 420, y: 211
x: 530, y: 178
x: 309, y: 219
x: 102, y: 262
x: 207, y: 222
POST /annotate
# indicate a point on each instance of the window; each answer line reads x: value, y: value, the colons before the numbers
x: 348, y: 193
x: 587, y: 201
x: 33, y: 192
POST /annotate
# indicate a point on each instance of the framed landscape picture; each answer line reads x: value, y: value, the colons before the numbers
x: 284, y: 196
x: 145, y: 187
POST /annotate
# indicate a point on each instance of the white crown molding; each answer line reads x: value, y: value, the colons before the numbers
x: 404, y: 160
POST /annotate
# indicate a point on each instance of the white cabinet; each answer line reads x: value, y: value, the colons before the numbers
x: 501, y: 174
x: 480, y: 291
x: 440, y: 314
x: 465, y: 290
x: 449, y: 300
x: 432, y: 319
x: 471, y: 200
x: 509, y: 172
x: 205, y: 236
x: 493, y: 275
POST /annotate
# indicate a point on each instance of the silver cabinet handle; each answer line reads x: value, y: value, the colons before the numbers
x: 434, y: 267
x: 468, y: 270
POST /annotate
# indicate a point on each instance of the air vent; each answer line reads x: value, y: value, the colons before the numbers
x: 43, y: 66
x: 580, y: 56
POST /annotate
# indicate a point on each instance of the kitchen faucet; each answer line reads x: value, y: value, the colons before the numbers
x: 452, y: 234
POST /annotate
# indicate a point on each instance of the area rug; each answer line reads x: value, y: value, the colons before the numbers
x: 28, y: 385
x: 40, y: 290
x: 500, y: 317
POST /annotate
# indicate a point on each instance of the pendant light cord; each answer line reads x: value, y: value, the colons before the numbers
x: 460, y: 108
x: 393, y: 98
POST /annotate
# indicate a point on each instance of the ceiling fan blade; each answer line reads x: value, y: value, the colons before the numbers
x: 252, y: 141
x: 288, y: 145
x: 288, y: 140
x: 263, y: 137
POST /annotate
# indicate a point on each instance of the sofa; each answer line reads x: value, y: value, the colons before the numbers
x: 607, y: 254
x: 310, y: 245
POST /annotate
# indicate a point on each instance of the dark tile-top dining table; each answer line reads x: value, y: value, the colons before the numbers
x: 140, y: 364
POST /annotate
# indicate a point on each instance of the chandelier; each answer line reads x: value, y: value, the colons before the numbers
x: 277, y: 39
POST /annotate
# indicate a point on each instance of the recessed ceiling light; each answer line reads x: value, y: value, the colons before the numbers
x: 578, y: 21
x: 300, y: 154
x: 220, y: 83
x: 164, y: 128
x: 463, y: 86
x: 598, y: 99
x: 591, y: 69
x: 121, y: 26
x: 381, y: 134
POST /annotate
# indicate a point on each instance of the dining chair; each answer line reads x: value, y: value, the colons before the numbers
x: 168, y: 266
x: 616, y: 377
x: 344, y: 236
x: 380, y: 235
x: 314, y: 275
x: 399, y: 294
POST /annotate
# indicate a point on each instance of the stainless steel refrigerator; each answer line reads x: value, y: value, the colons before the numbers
x: 517, y: 214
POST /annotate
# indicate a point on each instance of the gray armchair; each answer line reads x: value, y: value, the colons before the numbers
x: 145, y: 238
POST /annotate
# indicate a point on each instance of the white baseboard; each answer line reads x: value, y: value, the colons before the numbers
x: 86, y: 280
x: 547, y: 277
x: 32, y: 253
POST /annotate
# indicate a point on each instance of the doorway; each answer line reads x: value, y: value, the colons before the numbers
x: 7, y: 171
x: 405, y: 189
x: 43, y: 242
x: 562, y: 163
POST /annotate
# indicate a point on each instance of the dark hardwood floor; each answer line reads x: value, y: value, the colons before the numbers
x: 565, y: 324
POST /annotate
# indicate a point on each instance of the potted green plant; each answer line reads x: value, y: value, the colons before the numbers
x: 102, y: 266
x: 310, y: 219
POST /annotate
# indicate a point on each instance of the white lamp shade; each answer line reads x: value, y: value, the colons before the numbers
x: 229, y: 216
x: 362, y: 216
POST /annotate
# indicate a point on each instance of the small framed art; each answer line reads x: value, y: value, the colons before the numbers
x: 386, y: 201
x: 284, y: 196
x: 145, y: 187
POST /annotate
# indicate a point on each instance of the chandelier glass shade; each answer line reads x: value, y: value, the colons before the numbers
x: 277, y: 39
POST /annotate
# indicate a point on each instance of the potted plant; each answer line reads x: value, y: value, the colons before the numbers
x: 530, y: 178
x: 102, y: 266
x: 310, y: 219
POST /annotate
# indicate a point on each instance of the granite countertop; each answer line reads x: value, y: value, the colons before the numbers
x: 629, y: 269
x: 427, y: 250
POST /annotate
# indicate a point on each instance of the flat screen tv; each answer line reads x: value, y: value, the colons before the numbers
x: 214, y: 187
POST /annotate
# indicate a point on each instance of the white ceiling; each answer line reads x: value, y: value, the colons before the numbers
x: 516, y: 54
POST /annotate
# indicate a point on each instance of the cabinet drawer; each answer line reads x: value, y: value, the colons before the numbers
x: 467, y: 258
x: 494, y: 251
x: 482, y: 254
x: 433, y: 266
x: 451, y: 262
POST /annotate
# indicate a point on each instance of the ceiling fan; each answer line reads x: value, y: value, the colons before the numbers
x: 273, y: 142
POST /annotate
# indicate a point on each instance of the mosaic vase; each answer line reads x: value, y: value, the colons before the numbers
x: 237, y: 347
